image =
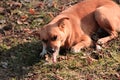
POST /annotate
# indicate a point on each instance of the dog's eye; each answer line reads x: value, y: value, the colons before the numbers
x: 45, y: 41
x: 54, y: 38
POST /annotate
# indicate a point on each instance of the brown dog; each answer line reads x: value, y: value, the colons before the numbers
x: 73, y: 27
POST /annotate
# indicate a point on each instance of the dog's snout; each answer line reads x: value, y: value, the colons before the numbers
x: 50, y: 49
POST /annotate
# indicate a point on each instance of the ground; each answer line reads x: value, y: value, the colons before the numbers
x: 19, y: 51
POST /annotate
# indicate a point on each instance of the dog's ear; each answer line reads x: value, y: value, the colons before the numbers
x: 61, y: 22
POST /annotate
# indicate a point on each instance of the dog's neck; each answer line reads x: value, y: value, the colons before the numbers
x: 68, y: 34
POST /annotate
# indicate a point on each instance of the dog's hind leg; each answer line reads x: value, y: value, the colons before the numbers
x: 109, y: 21
x: 85, y: 42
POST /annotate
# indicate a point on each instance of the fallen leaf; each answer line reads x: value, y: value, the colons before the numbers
x: 90, y: 60
x: 54, y: 4
x: 26, y: 29
x: 41, y: 5
x: 16, y: 4
x: 58, y: 77
x: 2, y: 10
x: 2, y: 21
x: 32, y: 11
x: 19, y: 21
x: 63, y: 58
x: 61, y: 8
x: 26, y: 0
x: 24, y: 18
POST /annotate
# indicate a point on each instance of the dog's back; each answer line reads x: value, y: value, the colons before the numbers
x: 83, y: 13
x: 85, y: 7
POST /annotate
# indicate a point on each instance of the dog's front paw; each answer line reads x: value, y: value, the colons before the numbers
x: 42, y: 54
x: 74, y: 50
x: 100, y: 42
x: 98, y: 47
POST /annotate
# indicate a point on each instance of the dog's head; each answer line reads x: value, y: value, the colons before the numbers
x: 53, y: 35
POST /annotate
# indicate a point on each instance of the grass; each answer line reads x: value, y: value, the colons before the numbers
x: 23, y: 60
x: 19, y: 52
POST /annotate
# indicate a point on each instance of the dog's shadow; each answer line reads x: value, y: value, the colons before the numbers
x: 20, y: 58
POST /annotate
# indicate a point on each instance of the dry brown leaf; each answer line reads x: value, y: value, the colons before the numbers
x: 58, y: 77
x: 24, y: 18
x: 26, y: 29
x: 90, y: 60
x: 2, y: 10
x: 32, y: 11
x: 41, y: 5
x: 19, y: 21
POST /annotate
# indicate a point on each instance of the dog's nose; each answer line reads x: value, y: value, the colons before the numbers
x: 50, y: 49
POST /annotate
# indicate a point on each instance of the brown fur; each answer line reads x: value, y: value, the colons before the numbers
x: 74, y: 26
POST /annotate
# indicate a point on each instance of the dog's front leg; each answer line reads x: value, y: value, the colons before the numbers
x: 85, y: 42
x: 43, y: 50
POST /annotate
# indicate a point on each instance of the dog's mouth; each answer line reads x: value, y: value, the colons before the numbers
x: 53, y: 55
